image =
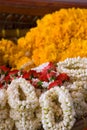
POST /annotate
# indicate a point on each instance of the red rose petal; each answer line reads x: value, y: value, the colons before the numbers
x: 55, y: 83
x: 50, y: 67
x: 51, y: 75
x: 26, y: 75
x: 13, y: 72
x: 63, y: 77
x: 43, y: 77
x: 4, y: 69
x: 7, y: 78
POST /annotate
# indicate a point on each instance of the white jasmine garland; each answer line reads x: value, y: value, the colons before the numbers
x: 6, y: 124
x: 48, y: 117
x: 78, y: 91
x: 26, y: 121
x: 80, y: 103
x: 59, y: 105
x: 24, y: 112
x: 4, y: 113
x: 3, y: 98
x: 76, y: 85
x: 14, y: 101
x: 76, y: 68
x: 80, y: 106
x: 17, y: 115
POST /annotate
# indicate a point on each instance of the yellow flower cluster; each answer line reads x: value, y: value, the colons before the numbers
x: 7, y: 49
x: 57, y: 36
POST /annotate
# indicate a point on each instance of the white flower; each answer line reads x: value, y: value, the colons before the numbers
x: 48, y: 109
x: 3, y: 98
x: 30, y: 101
x: 24, y: 112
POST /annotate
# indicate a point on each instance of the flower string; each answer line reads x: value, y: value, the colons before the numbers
x: 66, y: 120
x: 24, y: 107
x: 58, y: 38
x: 50, y: 86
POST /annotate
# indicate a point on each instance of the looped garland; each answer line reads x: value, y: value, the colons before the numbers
x: 6, y: 123
x: 78, y: 91
x: 3, y: 98
x: 76, y: 68
x: 56, y: 103
x: 4, y: 113
x: 14, y: 101
x: 24, y: 112
x: 48, y: 116
x: 27, y: 119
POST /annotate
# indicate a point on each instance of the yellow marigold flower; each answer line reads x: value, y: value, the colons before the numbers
x: 57, y: 36
x: 45, y: 54
x: 23, y: 45
x: 57, y: 29
x: 77, y: 47
x: 24, y: 63
x: 7, y: 47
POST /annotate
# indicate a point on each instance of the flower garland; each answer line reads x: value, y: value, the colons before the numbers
x: 48, y: 117
x: 31, y: 101
x: 76, y: 68
x: 49, y: 85
x: 24, y: 109
x: 6, y: 123
x: 58, y: 38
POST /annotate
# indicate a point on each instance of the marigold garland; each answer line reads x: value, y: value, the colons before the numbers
x: 58, y: 36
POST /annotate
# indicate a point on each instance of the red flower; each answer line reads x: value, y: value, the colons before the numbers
x: 26, y: 75
x: 31, y: 74
x: 7, y: 79
x: 63, y: 77
x: 50, y: 67
x: 13, y: 72
x: 36, y: 83
x: 48, y: 72
x: 51, y: 75
x: 55, y: 83
x: 4, y: 69
x: 43, y: 77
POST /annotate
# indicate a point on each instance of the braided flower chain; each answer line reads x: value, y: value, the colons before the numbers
x: 6, y: 123
x: 25, y: 113
x: 31, y: 101
x: 76, y: 68
x: 3, y: 98
x: 78, y: 91
x: 26, y: 105
x: 48, y: 116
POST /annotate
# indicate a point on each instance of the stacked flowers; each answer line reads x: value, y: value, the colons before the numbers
x: 46, y: 97
x: 58, y: 38
x: 76, y: 68
x: 62, y: 85
x: 24, y: 105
